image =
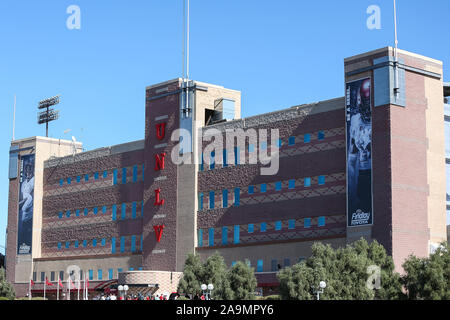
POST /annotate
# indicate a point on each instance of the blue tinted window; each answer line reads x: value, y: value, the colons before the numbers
x: 110, y: 274
x: 59, y: 245
x: 133, y: 243
x: 237, y: 193
x: 259, y: 266
x: 251, y: 189
x: 114, y: 212
x: 225, y: 198
x: 307, y: 182
x: 67, y: 244
x: 122, y: 244
x: 142, y: 208
x: 307, y: 223
x: 143, y: 172
x: 86, y: 177
x: 68, y: 214
x: 200, y: 237
x: 291, y: 184
x: 321, y: 180
x: 105, y: 174
x: 201, y: 163
x: 278, y: 226
x: 113, y: 245
x: 104, y: 209
x: 78, y: 178
x: 69, y: 180
x: 61, y: 182
x: 280, y: 143
x: 119, y: 270
x: 134, y: 173
x: 236, y: 235
x: 263, y: 227
x: 212, y: 161
x: 133, y: 210
x: 291, y: 141
x: 321, y: 221
x: 94, y: 242
x: 103, y: 243
x: 96, y: 176
x: 274, y: 265
x: 237, y: 157
x: 321, y: 135
x: 287, y: 262
x: 263, y: 187
x: 225, y: 235
x: 211, y: 237
x: 278, y: 186
x: 200, y: 201
x: 251, y: 228
x: 307, y: 138
x: 233, y: 263
x: 86, y: 211
x: 124, y: 211
x: 60, y: 215
x: 76, y: 244
x: 95, y: 210
x: 77, y: 213
x: 291, y: 224
x: 85, y: 243
x: 115, y: 177
x: 91, y: 274
x: 211, y: 200
x: 224, y: 158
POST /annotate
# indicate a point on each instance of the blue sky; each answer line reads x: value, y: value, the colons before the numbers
x: 278, y: 53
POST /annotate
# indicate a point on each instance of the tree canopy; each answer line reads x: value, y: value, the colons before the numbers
x: 6, y: 289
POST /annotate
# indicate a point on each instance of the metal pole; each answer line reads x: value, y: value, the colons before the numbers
x: 396, y: 84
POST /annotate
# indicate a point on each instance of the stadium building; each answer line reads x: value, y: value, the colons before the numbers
x: 370, y: 164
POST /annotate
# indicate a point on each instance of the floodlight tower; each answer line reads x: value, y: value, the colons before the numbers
x: 49, y: 114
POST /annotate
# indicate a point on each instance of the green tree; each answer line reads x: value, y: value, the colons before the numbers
x: 242, y: 281
x: 6, y: 289
x: 192, y: 275
x: 215, y: 271
x: 428, y: 278
x: 345, y: 270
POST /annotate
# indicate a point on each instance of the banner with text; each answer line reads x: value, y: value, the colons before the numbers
x: 26, y: 197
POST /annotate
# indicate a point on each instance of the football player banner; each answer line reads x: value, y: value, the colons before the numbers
x: 26, y: 196
x: 359, y: 152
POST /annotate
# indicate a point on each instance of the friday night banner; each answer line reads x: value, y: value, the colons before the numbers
x: 26, y: 196
x: 359, y: 153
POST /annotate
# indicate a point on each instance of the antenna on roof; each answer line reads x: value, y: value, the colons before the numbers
x: 396, y: 84
x: 74, y: 148
x: 186, y: 109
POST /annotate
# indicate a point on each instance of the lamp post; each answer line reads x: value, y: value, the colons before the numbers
x: 203, y: 287
x: 210, y: 288
x: 125, y: 288
x: 120, y: 288
x: 319, y: 290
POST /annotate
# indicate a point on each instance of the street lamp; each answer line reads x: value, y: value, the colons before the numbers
x: 125, y: 288
x: 210, y: 288
x: 120, y: 288
x: 319, y: 291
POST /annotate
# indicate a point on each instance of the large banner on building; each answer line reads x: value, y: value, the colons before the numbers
x: 359, y: 153
x: 26, y: 196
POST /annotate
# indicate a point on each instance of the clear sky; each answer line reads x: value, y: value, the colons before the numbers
x: 278, y: 53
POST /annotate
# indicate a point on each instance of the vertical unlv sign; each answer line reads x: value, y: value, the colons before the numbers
x: 359, y: 152
x: 26, y: 196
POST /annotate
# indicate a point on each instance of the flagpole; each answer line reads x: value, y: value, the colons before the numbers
x: 45, y: 282
x: 78, y: 287
x: 29, y: 290
x: 57, y: 291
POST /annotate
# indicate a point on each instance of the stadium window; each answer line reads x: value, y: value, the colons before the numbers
x: 307, y: 182
x: 287, y: 262
x: 321, y: 180
x: 259, y: 266
x: 236, y: 235
x: 114, y: 212
x: 103, y: 243
x: 61, y: 275
x: 278, y: 186
x: 200, y: 201
x: 52, y: 276
x: 237, y: 193
x: 201, y: 163
x: 122, y: 244
x: 211, y: 237
x: 61, y: 182
x: 94, y: 242
x: 292, y: 184
x: 86, y: 177
x: 224, y: 158
x: 84, y: 243
x: 143, y: 173
x: 78, y: 179
x: 237, y: 156
x: 77, y: 213
x: 59, y: 245
x: 119, y: 270
x: 124, y: 211
x: 321, y: 222
x: 251, y: 189
x: 142, y: 208
x: 225, y: 198
x: 105, y: 174
x: 274, y: 265
x: 104, y: 209
x: 95, y: 175
x: 69, y: 180
x: 133, y: 243
x: 113, y: 245
x: 133, y: 210
x: 75, y: 244
x: 212, y: 161
x: 95, y: 210
x: 91, y: 274
x: 134, y: 173
x: 307, y: 222
x: 291, y: 141
x: 110, y: 274
x: 263, y: 227
x: 307, y: 138
x: 321, y: 135
x: 60, y: 215
x: 67, y: 244
x: 224, y: 235
x: 211, y: 200
x: 280, y: 143
x: 291, y: 224
x: 124, y: 175
x: 278, y: 226
x: 100, y: 274
x: 200, y: 237
x: 263, y: 187
x: 251, y: 228
x: 114, y: 176
x: 42, y: 276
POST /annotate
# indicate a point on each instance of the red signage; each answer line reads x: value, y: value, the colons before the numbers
x: 158, y: 232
